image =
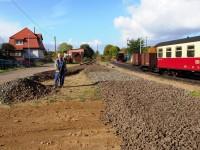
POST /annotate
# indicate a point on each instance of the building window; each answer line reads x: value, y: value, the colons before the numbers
x: 169, y: 53
x: 160, y: 53
x: 178, y: 51
x: 17, y: 54
x: 190, y: 51
x: 19, y: 42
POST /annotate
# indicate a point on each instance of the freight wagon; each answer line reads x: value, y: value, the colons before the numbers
x: 136, y: 59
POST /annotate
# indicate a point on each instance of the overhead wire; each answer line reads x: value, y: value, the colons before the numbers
x: 29, y: 17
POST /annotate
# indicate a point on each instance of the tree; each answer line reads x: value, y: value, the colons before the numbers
x: 134, y: 46
x: 6, y: 48
x: 88, y: 51
x: 107, y: 49
x: 114, y: 51
x: 111, y: 50
x: 64, y: 47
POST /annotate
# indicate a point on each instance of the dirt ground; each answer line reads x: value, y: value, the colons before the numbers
x: 68, y: 120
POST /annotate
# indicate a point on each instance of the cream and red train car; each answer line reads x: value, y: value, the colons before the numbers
x: 181, y: 55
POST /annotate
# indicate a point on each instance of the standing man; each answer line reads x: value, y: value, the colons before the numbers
x: 61, y: 69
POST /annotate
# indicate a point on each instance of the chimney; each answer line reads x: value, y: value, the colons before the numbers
x: 34, y: 30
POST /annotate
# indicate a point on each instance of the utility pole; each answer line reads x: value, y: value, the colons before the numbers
x: 29, y: 52
x: 55, y: 43
x: 127, y: 41
x: 140, y: 45
x: 129, y: 55
x: 146, y: 41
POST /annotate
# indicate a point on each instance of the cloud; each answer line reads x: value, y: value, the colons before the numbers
x: 76, y: 44
x: 160, y: 20
x: 7, y: 29
x: 93, y: 43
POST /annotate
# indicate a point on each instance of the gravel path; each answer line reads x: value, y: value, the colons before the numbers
x: 149, y: 115
x: 22, y: 73
x: 101, y: 74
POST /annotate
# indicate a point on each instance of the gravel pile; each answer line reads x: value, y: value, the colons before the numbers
x: 150, y: 116
x: 30, y: 88
x: 22, y: 90
x: 49, y: 75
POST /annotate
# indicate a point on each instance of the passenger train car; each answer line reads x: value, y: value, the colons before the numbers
x: 177, y: 56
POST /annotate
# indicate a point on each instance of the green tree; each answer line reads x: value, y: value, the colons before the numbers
x: 134, y: 46
x: 88, y: 51
x: 114, y: 51
x: 6, y: 48
x: 107, y: 49
x: 64, y: 47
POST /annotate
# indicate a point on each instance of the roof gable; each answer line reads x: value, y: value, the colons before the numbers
x: 180, y: 41
x: 24, y: 33
x: 30, y: 40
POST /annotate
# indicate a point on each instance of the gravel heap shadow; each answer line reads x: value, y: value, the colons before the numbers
x: 150, y: 116
x: 22, y: 90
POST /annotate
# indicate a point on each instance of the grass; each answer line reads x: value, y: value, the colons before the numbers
x: 77, y: 87
x: 10, y: 69
x: 195, y: 93
x: 7, y: 70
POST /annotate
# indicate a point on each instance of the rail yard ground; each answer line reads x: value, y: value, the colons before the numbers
x: 106, y: 107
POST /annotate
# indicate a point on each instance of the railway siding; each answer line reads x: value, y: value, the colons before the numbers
x: 128, y: 69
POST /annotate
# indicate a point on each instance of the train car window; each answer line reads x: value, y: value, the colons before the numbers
x: 169, y: 53
x: 160, y: 53
x: 190, y: 51
x: 178, y: 51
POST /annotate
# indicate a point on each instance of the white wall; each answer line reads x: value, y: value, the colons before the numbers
x: 184, y: 49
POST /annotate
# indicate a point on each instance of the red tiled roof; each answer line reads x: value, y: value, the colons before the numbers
x: 24, y: 33
x: 30, y: 40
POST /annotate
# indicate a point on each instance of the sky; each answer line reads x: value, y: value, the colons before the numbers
x: 101, y: 22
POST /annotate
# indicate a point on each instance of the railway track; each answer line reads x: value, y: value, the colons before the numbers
x: 194, y: 80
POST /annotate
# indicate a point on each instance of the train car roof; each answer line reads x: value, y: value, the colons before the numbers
x: 179, y: 41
